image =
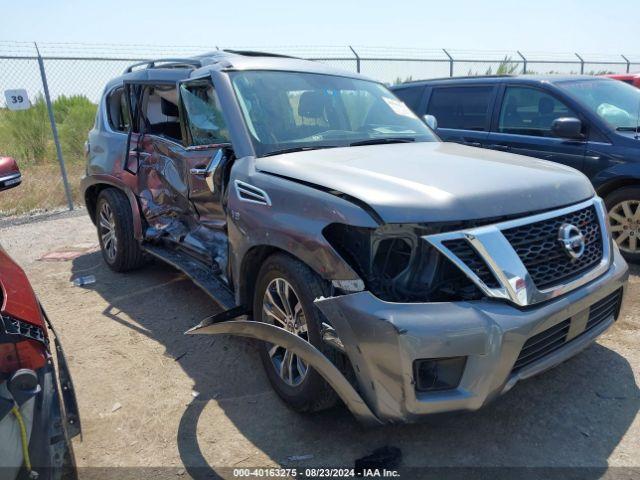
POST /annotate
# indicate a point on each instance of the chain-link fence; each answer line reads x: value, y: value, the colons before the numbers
x: 76, y: 74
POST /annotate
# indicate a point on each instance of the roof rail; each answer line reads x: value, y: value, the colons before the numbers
x: 167, y: 63
x: 459, y: 77
x: 252, y: 53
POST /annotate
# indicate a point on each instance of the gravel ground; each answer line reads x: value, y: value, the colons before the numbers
x: 150, y: 396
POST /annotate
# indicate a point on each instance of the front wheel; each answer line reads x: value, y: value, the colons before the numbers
x: 284, y: 295
x: 623, y: 207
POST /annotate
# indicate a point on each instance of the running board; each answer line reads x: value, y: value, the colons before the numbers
x: 202, y: 276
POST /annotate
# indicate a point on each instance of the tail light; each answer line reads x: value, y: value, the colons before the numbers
x: 22, y: 345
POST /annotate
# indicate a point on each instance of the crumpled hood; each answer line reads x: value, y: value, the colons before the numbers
x: 435, y: 181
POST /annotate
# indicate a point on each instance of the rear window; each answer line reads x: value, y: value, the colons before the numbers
x: 410, y: 96
x: 463, y: 108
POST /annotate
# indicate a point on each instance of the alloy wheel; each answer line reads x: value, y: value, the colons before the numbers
x: 108, y: 232
x: 281, y: 305
x: 624, y: 219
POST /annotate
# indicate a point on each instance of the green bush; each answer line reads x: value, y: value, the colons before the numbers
x: 75, y: 117
x: 26, y: 134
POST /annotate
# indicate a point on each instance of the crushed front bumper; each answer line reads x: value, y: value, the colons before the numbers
x: 383, y: 340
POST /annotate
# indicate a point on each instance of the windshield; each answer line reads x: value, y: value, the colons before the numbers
x: 616, y: 102
x: 289, y: 111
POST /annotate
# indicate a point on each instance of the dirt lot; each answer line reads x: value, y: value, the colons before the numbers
x: 137, y: 376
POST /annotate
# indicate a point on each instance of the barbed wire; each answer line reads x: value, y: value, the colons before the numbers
x: 9, y: 48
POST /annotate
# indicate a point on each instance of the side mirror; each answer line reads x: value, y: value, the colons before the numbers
x: 9, y: 173
x: 431, y: 121
x: 567, y: 127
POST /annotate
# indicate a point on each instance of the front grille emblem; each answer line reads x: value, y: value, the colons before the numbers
x: 572, y: 240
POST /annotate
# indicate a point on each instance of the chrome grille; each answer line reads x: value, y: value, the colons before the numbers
x: 541, y: 253
x: 527, y: 261
x: 465, y: 252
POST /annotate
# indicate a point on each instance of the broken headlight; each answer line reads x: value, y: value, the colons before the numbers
x: 398, y: 265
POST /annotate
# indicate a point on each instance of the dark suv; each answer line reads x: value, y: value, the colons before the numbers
x: 588, y: 123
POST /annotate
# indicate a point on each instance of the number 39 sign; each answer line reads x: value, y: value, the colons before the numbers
x: 17, y: 99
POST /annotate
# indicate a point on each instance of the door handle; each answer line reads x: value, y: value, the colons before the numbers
x: 139, y: 153
x: 503, y: 148
x: 204, y: 172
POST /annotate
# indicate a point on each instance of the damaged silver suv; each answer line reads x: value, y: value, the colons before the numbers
x: 378, y: 265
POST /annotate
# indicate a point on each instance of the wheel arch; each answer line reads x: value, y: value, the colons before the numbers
x: 92, y: 190
x: 250, y: 266
x: 615, y: 184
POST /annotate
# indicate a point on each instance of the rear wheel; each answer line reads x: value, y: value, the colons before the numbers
x: 114, y: 221
x: 623, y: 207
x: 284, y: 295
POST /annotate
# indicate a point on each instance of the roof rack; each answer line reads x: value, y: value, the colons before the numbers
x: 459, y: 77
x: 167, y: 63
x: 252, y: 53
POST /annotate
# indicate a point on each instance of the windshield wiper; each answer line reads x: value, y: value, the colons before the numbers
x: 378, y: 141
x: 298, y: 149
x: 628, y: 129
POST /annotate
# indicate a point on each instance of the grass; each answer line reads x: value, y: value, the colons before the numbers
x: 26, y: 136
x: 41, y: 189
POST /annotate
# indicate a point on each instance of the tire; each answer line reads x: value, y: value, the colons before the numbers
x: 623, y: 209
x: 114, y: 222
x: 311, y: 393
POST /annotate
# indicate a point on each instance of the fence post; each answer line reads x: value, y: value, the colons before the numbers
x: 581, y: 63
x: 524, y: 62
x: 628, y: 62
x: 357, y: 59
x: 54, y: 129
x: 450, y: 62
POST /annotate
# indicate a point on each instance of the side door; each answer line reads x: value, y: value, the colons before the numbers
x: 208, y: 157
x: 523, y: 122
x: 155, y: 152
x: 463, y: 112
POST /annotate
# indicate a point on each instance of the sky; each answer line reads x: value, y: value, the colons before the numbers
x: 537, y: 26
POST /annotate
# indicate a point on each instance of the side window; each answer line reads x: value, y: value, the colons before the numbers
x: 159, y: 113
x: 118, y: 111
x: 463, y: 108
x: 529, y: 111
x: 410, y: 96
x: 203, y: 114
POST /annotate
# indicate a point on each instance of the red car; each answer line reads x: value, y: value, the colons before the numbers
x: 38, y: 408
x: 630, y: 78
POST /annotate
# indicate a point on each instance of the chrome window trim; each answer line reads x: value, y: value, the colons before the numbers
x: 516, y: 285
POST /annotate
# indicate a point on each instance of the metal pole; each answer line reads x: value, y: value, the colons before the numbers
x: 524, y: 62
x: 450, y: 62
x: 581, y: 63
x: 357, y: 59
x: 54, y: 129
x: 628, y: 62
